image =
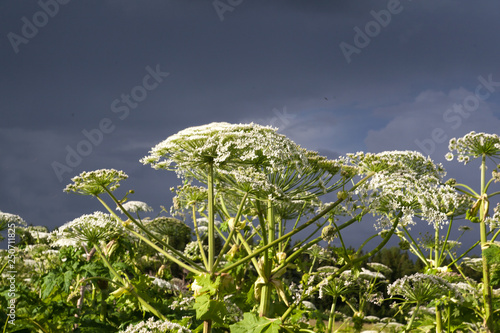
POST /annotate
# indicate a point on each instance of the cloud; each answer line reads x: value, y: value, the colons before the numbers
x: 428, y: 122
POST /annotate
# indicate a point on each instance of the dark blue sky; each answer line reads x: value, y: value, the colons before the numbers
x: 89, y: 78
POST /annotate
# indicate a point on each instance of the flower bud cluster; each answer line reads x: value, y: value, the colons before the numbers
x: 472, y: 146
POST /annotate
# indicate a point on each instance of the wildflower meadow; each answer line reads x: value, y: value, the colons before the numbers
x: 253, y: 243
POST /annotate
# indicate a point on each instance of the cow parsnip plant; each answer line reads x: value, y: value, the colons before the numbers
x: 255, y: 181
x: 486, y: 148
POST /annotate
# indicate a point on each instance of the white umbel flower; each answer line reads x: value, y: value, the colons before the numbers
x: 93, y: 228
x: 94, y: 182
x: 135, y: 207
x: 7, y: 218
x: 156, y: 326
x: 474, y: 145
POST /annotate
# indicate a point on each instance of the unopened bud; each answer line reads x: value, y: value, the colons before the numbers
x: 328, y: 233
x: 342, y: 195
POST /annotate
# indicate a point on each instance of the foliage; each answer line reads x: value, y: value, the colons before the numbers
x: 226, y: 261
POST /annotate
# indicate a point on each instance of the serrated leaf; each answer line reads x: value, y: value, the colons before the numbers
x: 49, y: 283
x: 207, y: 285
x: 209, y: 309
x: 252, y: 323
x: 68, y: 277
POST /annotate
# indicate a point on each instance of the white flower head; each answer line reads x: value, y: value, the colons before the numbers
x: 474, y: 145
x: 494, y: 220
x: 7, y: 219
x: 95, y: 182
x: 155, y: 326
x: 225, y: 145
x: 423, y: 288
x: 135, y: 207
x: 405, y: 183
x: 378, y: 267
x: 93, y: 227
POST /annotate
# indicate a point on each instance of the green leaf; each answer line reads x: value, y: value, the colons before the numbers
x: 49, y: 283
x: 208, y: 286
x: 207, y: 309
x: 252, y: 323
x: 68, y: 277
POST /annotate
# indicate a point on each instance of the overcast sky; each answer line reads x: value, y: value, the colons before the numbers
x: 93, y: 84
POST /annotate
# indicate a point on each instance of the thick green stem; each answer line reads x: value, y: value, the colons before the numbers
x: 198, y: 238
x: 280, y: 239
x: 410, y: 323
x: 436, y: 248
x: 232, y: 232
x: 331, y: 317
x: 439, y: 320
x: 265, y: 300
x: 265, y: 297
x: 104, y: 306
x: 249, y: 250
x: 207, y: 326
x: 211, y: 218
x: 488, y: 309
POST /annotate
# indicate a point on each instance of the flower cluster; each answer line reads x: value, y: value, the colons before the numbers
x: 7, y: 218
x: 94, y: 182
x: 423, y: 288
x: 175, y: 232
x: 472, y: 146
x: 225, y: 145
x: 394, y: 161
x: 247, y: 158
x: 135, y: 207
x: 184, y: 305
x: 378, y: 267
x: 495, y: 174
x: 405, y: 183
x: 92, y: 228
x: 494, y: 220
x: 156, y: 326
x: 336, y: 287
